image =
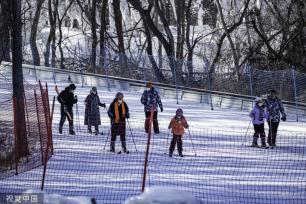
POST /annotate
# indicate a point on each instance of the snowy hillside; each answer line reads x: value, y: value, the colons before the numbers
x: 218, y: 167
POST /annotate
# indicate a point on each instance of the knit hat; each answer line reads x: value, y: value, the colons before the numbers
x: 94, y: 89
x: 72, y: 87
x: 149, y: 84
x: 179, y: 112
x: 119, y: 94
x: 272, y: 91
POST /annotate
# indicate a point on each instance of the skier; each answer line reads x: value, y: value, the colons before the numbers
x: 150, y: 99
x: 118, y: 111
x: 177, y: 124
x: 92, y: 112
x: 258, y: 114
x: 274, y: 107
x: 67, y: 98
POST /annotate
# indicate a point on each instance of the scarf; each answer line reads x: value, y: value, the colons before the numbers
x: 117, y: 117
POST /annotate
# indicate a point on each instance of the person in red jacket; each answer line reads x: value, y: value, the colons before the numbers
x: 177, y: 124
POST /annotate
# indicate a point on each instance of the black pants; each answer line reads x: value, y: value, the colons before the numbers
x: 155, y: 122
x: 273, y: 126
x: 259, y: 130
x: 64, y: 116
x: 118, y: 129
x: 176, y: 139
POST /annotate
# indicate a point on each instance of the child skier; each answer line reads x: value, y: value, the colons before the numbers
x: 258, y: 115
x: 177, y: 124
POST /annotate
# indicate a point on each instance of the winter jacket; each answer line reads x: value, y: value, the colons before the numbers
x: 178, y: 125
x: 67, y: 98
x: 112, y: 111
x: 274, y: 107
x: 92, y: 112
x: 258, y: 114
x: 151, y: 99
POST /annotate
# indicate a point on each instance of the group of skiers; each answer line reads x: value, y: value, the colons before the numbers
x: 118, y: 112
x: 270, y: 110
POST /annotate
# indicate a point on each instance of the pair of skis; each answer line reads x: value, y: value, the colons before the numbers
x: 261, y: 147
x: 121, y: 151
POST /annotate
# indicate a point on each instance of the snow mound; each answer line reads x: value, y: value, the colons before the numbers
x: 59, y: 199
x: 163, y: 195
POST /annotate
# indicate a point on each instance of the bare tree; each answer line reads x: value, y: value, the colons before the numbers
x: 230, y: 29
x: 4, y: 32
x: 17, y: 75
x: 119, y: 31
x: 93, y: 22
x: 227, y: 33
x: 103, y: 14
x: 289, y: 26
x: 35, y: 53
x: 51, y: 37
x: 60, y: 20
x: 168, y: 41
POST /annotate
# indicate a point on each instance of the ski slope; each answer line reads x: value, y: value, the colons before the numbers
x: 218, y: 167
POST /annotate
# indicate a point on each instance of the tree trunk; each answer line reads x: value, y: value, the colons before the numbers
x: 60, y: 22
x: 188, y: 43
x: 119, y: 31
x: 17, y: 75
x: 180, y: 13
x: 52, y: 19
x: 158, y: 73
x: 103, y: 14
x: 4, y: 32
x: 35, y: 53
x: 94, y: 43
x: 235, y: 55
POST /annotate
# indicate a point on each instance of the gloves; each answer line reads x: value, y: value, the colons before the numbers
x: 103, y: 105
x: 76, y: 99
x: 127, y: 115
x: 284, y: 118
x: 161, y: 109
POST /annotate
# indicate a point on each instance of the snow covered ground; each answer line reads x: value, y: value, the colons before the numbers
x: 218, y: 167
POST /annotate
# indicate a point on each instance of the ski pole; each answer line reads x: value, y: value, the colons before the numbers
x: 192, y: 143
x: 167, y: 140
x: 132, y: 135
x: 108, y: 135
x: 270, y: 131
x: 246, y: 133
x: 78, y: 117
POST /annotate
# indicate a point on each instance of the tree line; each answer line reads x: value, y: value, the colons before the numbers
x: 267, y: 34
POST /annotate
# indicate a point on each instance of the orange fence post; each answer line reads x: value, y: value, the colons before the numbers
x: 39, y: 130
x: 147, y: 152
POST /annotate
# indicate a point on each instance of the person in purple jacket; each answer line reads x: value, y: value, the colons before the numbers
x: 258, y: 115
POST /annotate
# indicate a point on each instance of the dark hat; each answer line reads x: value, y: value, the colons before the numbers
x: 272, y: 91
x: 149, y: 84
x: 94, y: 89
x: 179, y: 112
x: 119, y: 94
x: 72, y: 87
